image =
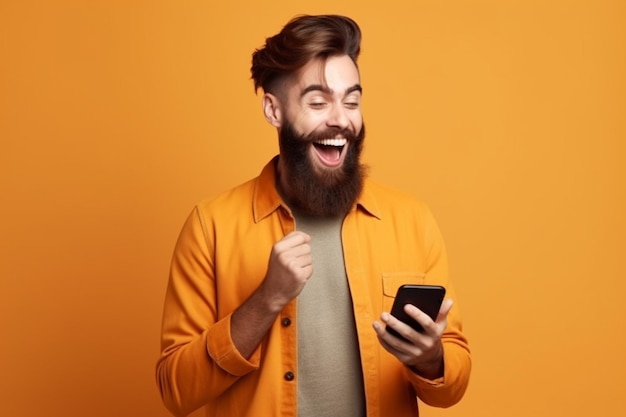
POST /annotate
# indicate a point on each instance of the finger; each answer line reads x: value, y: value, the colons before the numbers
x: 299, y: 255
x: 446, y: 306
x: 295, y: 238
x: 418, y: 315
x: 292, y: 251
x: 400, y: 327
x: 382, y: 333
x: 304, y: 262
x: 390, y: 343
x: 292, y: 242
x: 303, y: 274
x: 303, y: 250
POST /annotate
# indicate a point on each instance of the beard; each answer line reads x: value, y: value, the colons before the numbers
x: 320, y: 192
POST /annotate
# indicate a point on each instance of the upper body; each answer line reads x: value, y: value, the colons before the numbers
x: 220, y: 260
x: 240, y: 264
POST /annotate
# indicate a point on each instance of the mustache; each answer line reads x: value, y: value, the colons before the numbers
x: 332, y: 133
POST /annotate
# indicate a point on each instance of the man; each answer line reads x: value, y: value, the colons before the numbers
x: 276, y: 286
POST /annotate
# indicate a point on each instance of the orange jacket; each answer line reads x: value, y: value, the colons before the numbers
x: 221, y: 257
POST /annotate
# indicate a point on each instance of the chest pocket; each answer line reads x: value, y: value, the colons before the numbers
x: 393, y: 280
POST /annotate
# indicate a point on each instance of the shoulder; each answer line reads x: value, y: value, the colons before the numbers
x: 230, y: 206
x: 233, y: 197
x: 407, y: 215
x: 255, y: 197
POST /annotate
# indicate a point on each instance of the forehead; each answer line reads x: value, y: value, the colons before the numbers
x: 336, y: 73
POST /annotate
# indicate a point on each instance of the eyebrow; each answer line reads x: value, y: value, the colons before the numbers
x: 326, y: 90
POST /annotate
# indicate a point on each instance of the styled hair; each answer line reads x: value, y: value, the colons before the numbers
x: 303, y: 39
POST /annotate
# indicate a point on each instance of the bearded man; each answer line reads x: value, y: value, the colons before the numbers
x: 276, y: 285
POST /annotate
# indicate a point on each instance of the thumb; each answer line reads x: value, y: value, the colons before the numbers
x: 446, y: 306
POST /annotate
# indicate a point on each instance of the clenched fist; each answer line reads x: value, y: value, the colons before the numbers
x: 290, y: 267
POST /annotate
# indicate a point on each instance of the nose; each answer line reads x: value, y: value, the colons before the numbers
x: 338, y: 117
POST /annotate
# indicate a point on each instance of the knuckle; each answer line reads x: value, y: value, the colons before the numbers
x: 283, y: 257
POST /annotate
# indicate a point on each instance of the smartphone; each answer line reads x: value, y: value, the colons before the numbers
x: 427, y: 298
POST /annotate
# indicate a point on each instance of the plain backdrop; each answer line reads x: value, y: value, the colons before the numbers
x: 506, y: 117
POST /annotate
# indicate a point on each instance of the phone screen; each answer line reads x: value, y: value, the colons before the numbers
x: 427, y: 298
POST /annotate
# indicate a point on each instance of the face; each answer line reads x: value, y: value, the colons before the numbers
x: 321, y: 132
x: 325, y: 97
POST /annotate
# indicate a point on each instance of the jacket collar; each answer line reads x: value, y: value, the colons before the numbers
x: 266, y: 199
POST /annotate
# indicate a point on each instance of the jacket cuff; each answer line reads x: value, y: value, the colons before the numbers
x: 222, y: 350
x: 424, y: 382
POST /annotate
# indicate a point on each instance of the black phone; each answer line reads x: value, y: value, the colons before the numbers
x: 427, y: 298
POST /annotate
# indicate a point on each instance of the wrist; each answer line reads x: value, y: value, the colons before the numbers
x: 267, y: 298
x: 432, y: 368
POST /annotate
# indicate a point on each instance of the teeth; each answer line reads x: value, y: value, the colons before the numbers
x: 332, y: 142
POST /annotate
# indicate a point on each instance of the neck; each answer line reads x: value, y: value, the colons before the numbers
x: 281, y: 179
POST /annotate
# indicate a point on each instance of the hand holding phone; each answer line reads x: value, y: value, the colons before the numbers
x: 427, y: 298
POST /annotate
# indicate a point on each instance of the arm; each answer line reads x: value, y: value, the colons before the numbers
x: 289, y: 269
x: 437, y: 361
x: 203, y: 354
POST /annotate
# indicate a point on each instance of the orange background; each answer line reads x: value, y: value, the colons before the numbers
x: 507, y: 118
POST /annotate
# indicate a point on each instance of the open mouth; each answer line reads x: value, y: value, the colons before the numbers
x: 330, y: 151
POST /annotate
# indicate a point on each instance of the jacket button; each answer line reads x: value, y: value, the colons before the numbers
x: 289, y: 376
x: 286, y: 322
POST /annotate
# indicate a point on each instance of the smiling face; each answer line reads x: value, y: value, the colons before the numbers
x: 324, y: 98
x: 318, y: 116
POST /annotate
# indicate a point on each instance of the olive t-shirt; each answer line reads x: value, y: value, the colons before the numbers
x: 329, y: 376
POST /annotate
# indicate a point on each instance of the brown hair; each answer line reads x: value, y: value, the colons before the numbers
x: 302, y: 39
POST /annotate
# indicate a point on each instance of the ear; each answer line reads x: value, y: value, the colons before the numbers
x: 272, y: 110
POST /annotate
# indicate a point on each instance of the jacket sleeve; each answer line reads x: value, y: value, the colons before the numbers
x: 198, y: 359
x: 448, y: 390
